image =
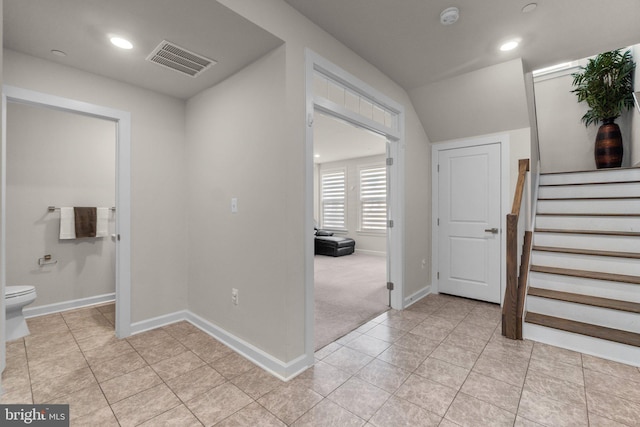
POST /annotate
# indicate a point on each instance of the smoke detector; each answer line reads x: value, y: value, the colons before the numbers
x: 174, y: 57
x: 449, y: 16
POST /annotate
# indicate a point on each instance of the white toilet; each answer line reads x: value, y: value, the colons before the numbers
x: 16, y: 298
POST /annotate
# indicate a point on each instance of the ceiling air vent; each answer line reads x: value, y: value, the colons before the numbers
x: 179, y: 59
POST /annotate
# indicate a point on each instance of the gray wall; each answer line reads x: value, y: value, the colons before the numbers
x: 158, y: 217
x: 486, y: 101
x: 61, y: 159
x: 2, y: 309
x: 299, y: 33
x: 236, y: 149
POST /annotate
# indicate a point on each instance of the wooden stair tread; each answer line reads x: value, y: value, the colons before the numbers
x: 587, y: 252
x: 609, y: 334
x: 595, y: 232
x: 564, y: 199
x: 612, y: 277
x: 627, y: 168
x: 590, y: 183
x: 631, y: 307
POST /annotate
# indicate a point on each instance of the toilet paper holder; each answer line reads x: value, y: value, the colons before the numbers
x: 46, y: 260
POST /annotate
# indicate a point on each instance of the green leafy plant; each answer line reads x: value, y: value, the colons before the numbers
x: 606, y: 85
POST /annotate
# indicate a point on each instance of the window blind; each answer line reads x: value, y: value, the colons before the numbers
x: 373, y: 199
x: 333, y: 200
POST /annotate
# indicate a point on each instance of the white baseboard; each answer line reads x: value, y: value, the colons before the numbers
x: 67, y: 305
x: 368, y: 252
x: 411, y: 299
x: 283, y: 370
x: 157, y: 322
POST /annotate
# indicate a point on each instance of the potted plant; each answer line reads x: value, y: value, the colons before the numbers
x: 606, y: 85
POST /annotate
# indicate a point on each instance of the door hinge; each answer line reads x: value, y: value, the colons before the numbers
x: 438, y: 221
x: 118, y: 237
x: 390, y: 286
x: 390, y: 223
x: 438, y: 275
x: 389, y: 161
x: 438, y: 169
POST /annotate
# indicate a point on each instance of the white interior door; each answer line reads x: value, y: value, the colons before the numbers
x: 469, y: 222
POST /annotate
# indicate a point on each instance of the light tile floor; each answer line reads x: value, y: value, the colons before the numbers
x: 440, y: 362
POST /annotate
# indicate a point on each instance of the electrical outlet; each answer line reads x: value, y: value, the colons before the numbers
x: 234, y: 296
x: 424, y: 263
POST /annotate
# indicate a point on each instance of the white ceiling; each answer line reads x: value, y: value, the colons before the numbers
x: 405, y: 40
x: 81, y: 29
x: 335, y: 139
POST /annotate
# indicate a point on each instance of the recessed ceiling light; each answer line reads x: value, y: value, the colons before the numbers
x: 449, y: 16
x: 510, y: 45
x: 316, y: 155
x: 57, y: 52
x: 121, y: 43
x: 529, y: 7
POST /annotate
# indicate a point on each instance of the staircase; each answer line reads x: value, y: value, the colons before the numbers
x: 584, y: 284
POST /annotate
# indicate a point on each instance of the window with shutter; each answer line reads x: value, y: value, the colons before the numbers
x: 373, y: 199
x: 332, y: 189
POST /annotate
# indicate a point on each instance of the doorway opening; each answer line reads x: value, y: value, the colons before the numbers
x: 331, y: 90
x: 119, y: 123
x: 350, y: 215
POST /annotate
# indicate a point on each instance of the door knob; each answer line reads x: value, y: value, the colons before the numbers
x: 491, y: 230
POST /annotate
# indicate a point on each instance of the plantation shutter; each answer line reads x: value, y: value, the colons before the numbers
x: 333, y: 200
x: 373, y: 199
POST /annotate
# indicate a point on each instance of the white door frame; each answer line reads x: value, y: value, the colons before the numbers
x: 315, y: 62
x: 503, y: 140
x: 122, y: 120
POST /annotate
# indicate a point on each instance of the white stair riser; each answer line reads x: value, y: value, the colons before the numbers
x: 617, y: 206
x: 588, y: 241
x: 632, y: 174
x: 596, y: 223
x: 631, y: 189
x: 615, y: 319
x: 578, y: 285
x: 582, y: 343
x: 604, y: 264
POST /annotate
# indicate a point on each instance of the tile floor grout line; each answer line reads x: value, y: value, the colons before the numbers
x: 90, y: 369
x: 524, y: 382
x: 165, y: 382
x: 469, y: 373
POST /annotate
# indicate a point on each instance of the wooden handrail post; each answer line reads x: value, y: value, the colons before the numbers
x: 513, y: 304
x: 509, y: 308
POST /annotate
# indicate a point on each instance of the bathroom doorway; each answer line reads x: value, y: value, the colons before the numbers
x: 58, y: 159
x: 60, y: 176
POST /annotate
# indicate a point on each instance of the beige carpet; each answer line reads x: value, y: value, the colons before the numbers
x: 349, y: 291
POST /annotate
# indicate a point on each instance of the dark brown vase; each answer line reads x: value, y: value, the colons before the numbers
x: 608, y: 150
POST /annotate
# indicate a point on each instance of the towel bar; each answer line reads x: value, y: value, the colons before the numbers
x: 53, y: 208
